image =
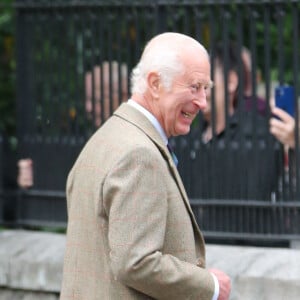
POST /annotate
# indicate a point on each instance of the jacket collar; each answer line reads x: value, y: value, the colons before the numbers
x: 135, y: 117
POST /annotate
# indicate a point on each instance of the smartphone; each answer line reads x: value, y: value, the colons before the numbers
x: 285, y: 98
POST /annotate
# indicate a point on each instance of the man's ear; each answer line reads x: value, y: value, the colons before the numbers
x: 153, y: 81
x: 233, y: 82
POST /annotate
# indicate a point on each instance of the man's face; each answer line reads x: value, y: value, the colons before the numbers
x: 178, y: 106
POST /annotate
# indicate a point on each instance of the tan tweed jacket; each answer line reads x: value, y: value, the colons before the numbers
x: 131, y: 231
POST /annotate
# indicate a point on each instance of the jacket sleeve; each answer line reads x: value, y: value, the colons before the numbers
x: 136, y: 202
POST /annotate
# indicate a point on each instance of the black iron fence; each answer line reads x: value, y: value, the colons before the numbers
x: 242, y: 186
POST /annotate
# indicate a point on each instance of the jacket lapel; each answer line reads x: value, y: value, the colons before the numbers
x: 132, y: 115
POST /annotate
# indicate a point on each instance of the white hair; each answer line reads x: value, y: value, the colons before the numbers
x: 165, y: 62
x: 161, y: 55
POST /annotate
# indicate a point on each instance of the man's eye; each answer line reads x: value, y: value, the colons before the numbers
x: 195, y: 87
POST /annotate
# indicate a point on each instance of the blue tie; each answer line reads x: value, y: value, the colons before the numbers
x: 173, y: 154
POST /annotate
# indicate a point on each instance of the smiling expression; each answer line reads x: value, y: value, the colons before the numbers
x: 178, y: 106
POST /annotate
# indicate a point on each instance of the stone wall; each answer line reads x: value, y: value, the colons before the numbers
x: 259, y: 273
x: 31, y: 268
x: 30, y: 265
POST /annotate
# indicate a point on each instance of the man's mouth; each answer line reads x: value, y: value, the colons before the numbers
x: 187, y: 115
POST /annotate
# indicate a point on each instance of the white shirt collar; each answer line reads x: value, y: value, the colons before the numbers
x: 151, y: 118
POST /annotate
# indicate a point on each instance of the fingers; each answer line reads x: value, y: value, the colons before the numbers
x: 281, y: 114
x: 224, y: 283
x: 283, y: 128
x: 279, y: 129
x: 25, y: 173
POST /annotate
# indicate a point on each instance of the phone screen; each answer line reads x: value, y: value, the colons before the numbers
x: 285, y: 98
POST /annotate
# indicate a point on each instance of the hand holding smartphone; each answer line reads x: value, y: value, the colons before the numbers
x: 285, y: 98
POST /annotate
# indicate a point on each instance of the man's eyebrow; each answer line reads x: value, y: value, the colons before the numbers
x: 209, y: 83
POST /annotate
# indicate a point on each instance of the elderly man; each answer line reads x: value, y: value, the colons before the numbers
x: 131, y: 231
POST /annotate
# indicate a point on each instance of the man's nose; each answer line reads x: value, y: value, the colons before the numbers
x: 200, y: 102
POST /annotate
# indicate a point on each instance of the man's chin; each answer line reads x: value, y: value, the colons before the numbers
x: 182, y: 132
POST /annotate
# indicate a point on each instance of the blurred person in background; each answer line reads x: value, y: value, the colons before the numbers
x: 250, y: 96
x: 283, y: 126
x: 99, y: 103
x: 246, y: 170
x: 228, y: 87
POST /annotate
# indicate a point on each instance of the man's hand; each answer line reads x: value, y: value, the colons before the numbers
x: 224, y: 283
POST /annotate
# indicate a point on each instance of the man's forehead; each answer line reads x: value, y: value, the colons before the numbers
x: 198, y: 75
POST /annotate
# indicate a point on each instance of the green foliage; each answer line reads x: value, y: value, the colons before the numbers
x: 280, y: 34
x: 47, y: 55
x: 7, y: 69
